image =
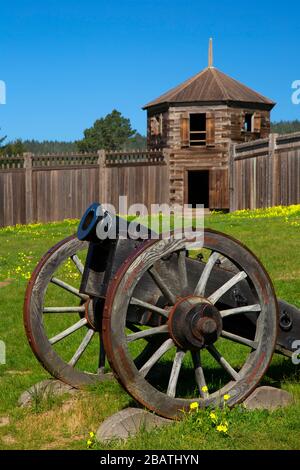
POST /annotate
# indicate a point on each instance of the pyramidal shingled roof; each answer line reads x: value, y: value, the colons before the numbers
x: 211, y: 85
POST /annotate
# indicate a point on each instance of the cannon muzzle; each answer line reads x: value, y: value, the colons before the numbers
x: 98, y: 224
x: 87, y: 228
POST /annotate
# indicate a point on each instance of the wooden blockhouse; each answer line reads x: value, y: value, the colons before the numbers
x: 197, y: 122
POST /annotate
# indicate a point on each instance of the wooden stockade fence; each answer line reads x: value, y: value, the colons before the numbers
x: 44, y: 188
x: 265, y: 172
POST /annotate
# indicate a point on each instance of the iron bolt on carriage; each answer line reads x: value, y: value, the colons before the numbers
x: 174, y: 327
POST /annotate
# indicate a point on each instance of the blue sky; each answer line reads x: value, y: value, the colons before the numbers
x: 66, y: 63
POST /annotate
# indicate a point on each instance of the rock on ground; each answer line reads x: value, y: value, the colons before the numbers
x: 268, y: 398
x: 44, y: 389
x: 127, y: 423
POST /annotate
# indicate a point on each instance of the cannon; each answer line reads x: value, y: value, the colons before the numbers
x: 173, y: 324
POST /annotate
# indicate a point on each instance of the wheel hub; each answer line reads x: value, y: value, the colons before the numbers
x: 194, y: 323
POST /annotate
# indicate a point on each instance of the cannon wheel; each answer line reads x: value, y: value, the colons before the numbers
x: 51, y: 322
x: 193, y: 362
x: 51, y: 328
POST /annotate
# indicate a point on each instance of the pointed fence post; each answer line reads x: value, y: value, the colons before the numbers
x: 28, y: 188
x: 274, y: 199
x: 231, y: 177
x: 102, y: 176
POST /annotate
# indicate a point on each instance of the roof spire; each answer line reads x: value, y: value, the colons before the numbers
x: 210, y: 53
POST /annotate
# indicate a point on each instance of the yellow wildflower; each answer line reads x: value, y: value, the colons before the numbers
x: 89, y: 442
x: 222, y: 428
x: 204, y: 389
x: 226, y: 397
x: 92, y: 434
x: 213, y: 416
x: 194, y: 406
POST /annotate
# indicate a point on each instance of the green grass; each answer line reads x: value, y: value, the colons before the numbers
x: 64, y: 422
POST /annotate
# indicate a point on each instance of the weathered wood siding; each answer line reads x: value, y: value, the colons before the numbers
x: 228, y: 124
x: 45, y: 188
x: 224, y: 125
x: 143, y: 184
x: 161, y: 140
x: 213, y: 157
x: 48, y: 188
x: 63, y: 193
x: 12, y: 200
x: 214, y: 160
x: 265, y: 173
x: 221, y: 116
x: 236, y: 125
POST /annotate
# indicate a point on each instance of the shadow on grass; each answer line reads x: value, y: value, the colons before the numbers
x: 281, y: 370
x: 159, y: 377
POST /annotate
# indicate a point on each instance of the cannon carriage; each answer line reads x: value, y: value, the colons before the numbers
x: 174, y: 325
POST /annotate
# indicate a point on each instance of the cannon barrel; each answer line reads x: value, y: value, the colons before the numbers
x: 93, y: 215
x: 98, y: 224
x: 111, y: 240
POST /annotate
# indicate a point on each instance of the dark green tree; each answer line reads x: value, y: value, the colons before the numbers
x: 110, y: 133
x: 137, y: 142
x: 285, y: 127
x: 15, y: 147
x: 2, y: 139
x: 49, y: 146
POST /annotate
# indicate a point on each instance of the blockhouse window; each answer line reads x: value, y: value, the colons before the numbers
x: 156, y: 125
x: 248, y: 124
x: 197, y: 129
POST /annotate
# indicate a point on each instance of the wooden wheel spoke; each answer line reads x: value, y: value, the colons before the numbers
x: 199, y: 374
x: 149, y: 332
x: 239, y: 339
x: 245, y: 309
x: 222, y: 361
x: 68, y: 288
x: 168, y: 344
x: 162, y: 286
x: 147, y: 306
x: 132, y: 327
x: 77, y: 263
x: 85, y: 342
x: 182, y: 270
x: 68, y: 331
x: 79, y: 309
x: 201, y: 286
x: 171, y: 392
x: 213, y: 298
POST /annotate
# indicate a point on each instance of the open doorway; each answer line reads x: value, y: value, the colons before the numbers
x: 198, y: 188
